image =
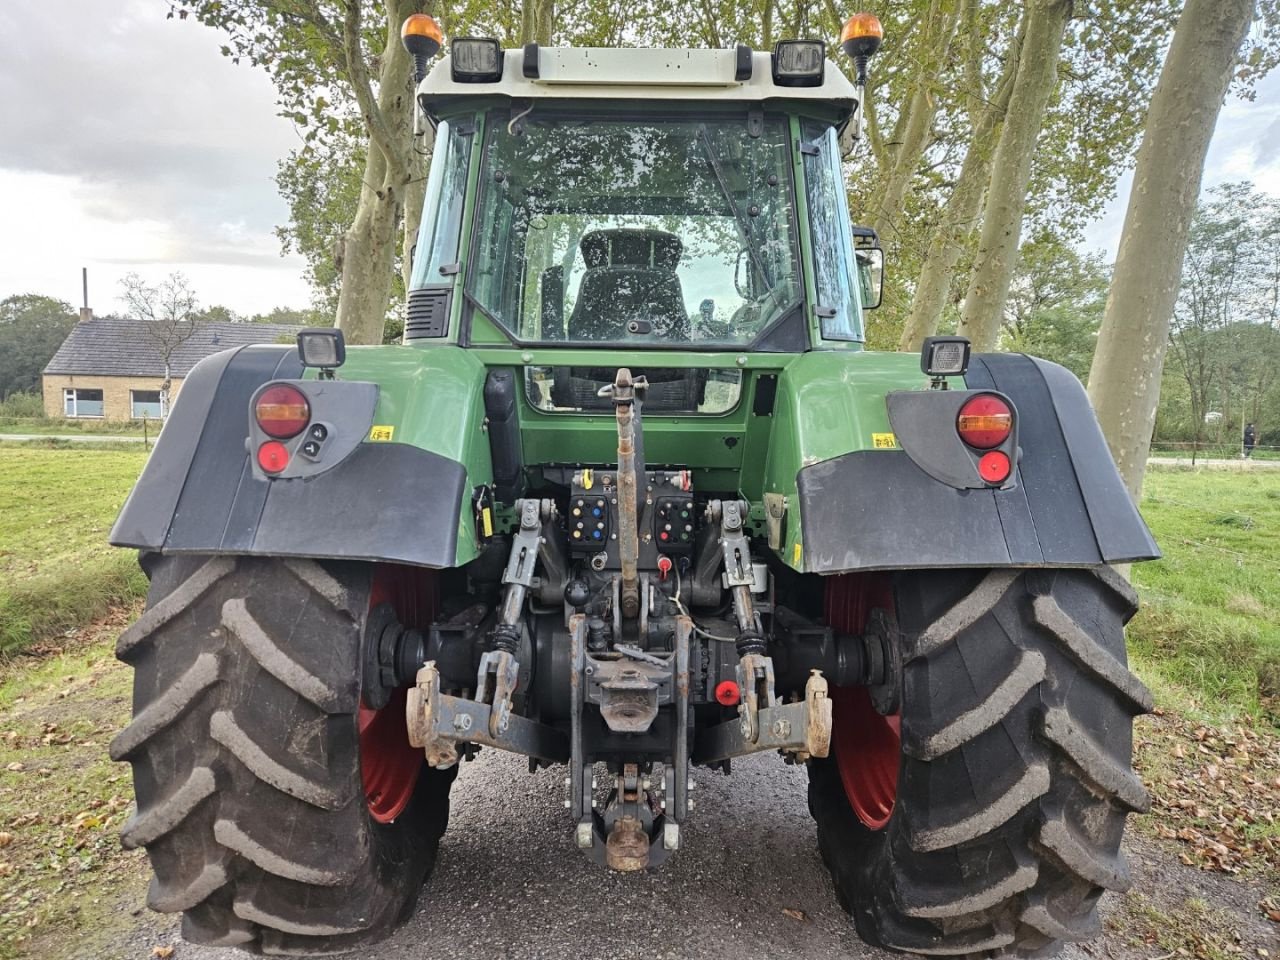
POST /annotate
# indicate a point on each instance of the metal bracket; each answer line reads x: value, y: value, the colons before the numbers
x: 496, y: 681
x: 801, y: 729
x: 629, y: 834
x: 775, y: 512
x: 438, y: 722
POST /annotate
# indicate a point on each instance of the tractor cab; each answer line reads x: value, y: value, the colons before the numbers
x: 656, y: 200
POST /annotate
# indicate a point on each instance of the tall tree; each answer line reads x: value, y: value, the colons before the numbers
x: 1055, y: 303
x: 963, y: 208
x: 172, y: 318
x: 1011, y: 170
x: 1227, y: 289
x: 1124, y: 380
x: 32, y: 328
x: 318, y: 50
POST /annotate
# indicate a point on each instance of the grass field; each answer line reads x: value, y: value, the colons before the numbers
x: 1210, y: 623
x: 57, y: 572
x: 1206, y: 639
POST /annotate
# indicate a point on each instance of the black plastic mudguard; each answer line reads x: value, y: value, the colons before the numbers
x: 199, y: 493
x: 878, y: 510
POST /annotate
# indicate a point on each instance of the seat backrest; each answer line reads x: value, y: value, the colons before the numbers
x: 630, y: 277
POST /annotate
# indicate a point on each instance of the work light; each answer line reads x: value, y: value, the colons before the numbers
x: 945, y: 356
x: 799, y: 63
x: 322, y: 347
x: 475, y: 60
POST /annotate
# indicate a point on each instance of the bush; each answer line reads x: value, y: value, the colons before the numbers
x: 25, y: 406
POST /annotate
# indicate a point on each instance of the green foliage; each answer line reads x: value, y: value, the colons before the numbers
x: 217, y: 314
x: 32, y: 329
x: 1056, y: 302
x: 290, y: 316
x: 1224, y: 339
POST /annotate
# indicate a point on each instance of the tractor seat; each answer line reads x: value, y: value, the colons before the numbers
x: 630, y: 288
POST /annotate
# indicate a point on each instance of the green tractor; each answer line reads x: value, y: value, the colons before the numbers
x: 631, y: 497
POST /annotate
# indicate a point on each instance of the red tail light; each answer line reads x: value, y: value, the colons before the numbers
x: 994, y: 466
x: 273, y: 456
x: 282, y: 411
x: 985, y: 421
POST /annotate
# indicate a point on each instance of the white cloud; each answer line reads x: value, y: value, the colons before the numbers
x: 138, y: 148
x: 1245, y: 146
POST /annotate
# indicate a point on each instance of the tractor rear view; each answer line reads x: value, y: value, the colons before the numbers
x: 631, y: 498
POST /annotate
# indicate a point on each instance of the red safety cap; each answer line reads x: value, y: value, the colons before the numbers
x: 727, y: 693
x: 994, y: 466
x: 273, y: 456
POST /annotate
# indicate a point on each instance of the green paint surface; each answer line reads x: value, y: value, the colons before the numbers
x: 826, y: 404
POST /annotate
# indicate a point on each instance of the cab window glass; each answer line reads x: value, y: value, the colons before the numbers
x: 839, y: 298
x: 442, y: 213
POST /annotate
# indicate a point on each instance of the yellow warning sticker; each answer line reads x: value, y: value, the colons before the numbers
x: 382, y: 433
x: 797, y: 554
x: 486, y: 521
x: 884, y: 441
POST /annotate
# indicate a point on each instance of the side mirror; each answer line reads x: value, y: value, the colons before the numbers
x: 871, y: 276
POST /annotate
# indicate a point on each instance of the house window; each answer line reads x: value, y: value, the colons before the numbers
x: 82, y: 403
x: 145, y: 403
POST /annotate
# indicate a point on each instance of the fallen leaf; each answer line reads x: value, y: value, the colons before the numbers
x: 16, y: 767
x: 5, y: 839
x: 161, y: 953
x: 794, y: 914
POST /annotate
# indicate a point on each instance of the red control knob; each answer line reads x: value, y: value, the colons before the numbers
x: 664, y: 567
x: 727, y: 693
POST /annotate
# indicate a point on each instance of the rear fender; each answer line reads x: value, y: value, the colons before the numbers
x: 1068, y: 507
x: 203, y: 492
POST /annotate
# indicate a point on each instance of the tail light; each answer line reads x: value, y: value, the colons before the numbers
x: 985, y: 421
x: 273, y: 456
x: 282, y: 411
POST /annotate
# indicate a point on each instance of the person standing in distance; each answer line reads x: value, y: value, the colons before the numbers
x: 1250, y: 440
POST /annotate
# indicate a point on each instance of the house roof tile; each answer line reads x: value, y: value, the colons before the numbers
x: 122, y: 347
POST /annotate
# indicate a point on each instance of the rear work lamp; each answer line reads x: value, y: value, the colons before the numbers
x: 323, y: 348
x: 475, y: 60
x: 945, y: 356
x: 799, y: 63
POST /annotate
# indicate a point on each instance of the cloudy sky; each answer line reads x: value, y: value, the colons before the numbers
x: 128, y: 143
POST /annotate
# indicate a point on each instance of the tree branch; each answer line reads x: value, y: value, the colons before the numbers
x: 361, y: 84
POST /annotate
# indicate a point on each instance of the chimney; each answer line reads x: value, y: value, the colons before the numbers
x: 86, y: 311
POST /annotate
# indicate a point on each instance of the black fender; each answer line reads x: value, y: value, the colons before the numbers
x: 879, y: 510
x: 201, y: 493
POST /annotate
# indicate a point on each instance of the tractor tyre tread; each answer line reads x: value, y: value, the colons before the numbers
x: 246, y: 760
x: 1016, y: 775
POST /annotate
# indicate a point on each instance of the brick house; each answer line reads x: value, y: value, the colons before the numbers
x: 110, y: 368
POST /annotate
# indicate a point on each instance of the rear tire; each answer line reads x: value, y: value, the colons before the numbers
x: 246, y: 759
x: 1015, y: 775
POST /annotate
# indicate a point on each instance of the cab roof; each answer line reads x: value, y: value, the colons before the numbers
x: 609, y: 73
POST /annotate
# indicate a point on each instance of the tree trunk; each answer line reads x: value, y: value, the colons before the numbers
x: 415, y: 195
x: 1011, y: 171
x: 914, y: 132
x: 963, y: 209
x: 369, y: 251
x: 536, y: 20
x: 1124, y: 381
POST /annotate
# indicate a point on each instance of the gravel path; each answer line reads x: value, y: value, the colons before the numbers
x: 511, y: 885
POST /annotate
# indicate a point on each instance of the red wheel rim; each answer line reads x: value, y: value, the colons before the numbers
x: 868, y: 750
x: 867, y: 746
x: 389, y: 764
